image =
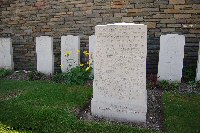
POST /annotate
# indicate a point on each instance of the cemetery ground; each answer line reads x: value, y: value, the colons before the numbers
x: 45, y: 106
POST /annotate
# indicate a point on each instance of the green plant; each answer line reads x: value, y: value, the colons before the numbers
x: 189, y: 74
x: 4, y: 72
x: 166, y: 85
x: 34, y: 75
x: 75, y: 76
x: 59, y: 78
x: 194, y: 85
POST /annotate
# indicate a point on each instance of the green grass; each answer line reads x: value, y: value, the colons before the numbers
x: 182, y: 113
x: 38, y: 106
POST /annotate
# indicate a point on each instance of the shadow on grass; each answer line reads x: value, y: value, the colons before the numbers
x: 48, y: 108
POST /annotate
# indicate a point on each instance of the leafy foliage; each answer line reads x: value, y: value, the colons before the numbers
x: 75, y: 76
x: 4, y: 72
x: 153, y: 83
x: 165, y: 85
x: 35, y: 75
x: 189, y: 74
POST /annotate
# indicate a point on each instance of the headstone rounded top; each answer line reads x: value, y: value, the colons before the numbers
x: 116, y: 24
x: 44, y: 36
x: 125, y: 24
x: 171, y: 35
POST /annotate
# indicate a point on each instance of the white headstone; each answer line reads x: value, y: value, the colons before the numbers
x: 6, y: 53
x: 171, y: 57
x: 92, y: 43
x: 198, y: 66
x: 70, y: 44
x: 119, y: 87
x: 45, y: 56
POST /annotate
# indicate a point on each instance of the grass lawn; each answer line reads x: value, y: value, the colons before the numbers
x: 182, y: 113
x: 49, y: 108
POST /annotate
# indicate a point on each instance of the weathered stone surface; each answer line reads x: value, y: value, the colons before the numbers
x: 198, y: 66
x: 92, y: 45
x: 171, y: 57
x: 45, y: 56
x: 119, y: 88
x: 6, y: 53
x: 70, y: 55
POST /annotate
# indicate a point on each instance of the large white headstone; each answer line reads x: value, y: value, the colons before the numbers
x: 119, y: 87
x: 171, y: 57
x: 92, y: 44
x: 45, y: 56
x: 198, y: 66
x: 70, y: 52
x: 6, y: 53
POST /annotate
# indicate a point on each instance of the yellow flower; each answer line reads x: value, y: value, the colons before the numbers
x: 81, y: 65
x: 68, y: 53
x: 86, y: 53
x: 87, y: 68
x: 78, y: 51
x: 89, y: 63
x: 61, y: 65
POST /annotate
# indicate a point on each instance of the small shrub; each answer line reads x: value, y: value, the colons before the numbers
x: 75, y: 76
x: 193, y: 85
x: 165, y: 85
x: 189, y: 74
x: 4, y: 72
x: 59, y: 77
x: 34, y: 75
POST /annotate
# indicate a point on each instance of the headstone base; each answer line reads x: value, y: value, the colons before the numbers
x: 125, y: 111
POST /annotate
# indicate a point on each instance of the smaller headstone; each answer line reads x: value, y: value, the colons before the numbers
x: 198, y: 66
x: 45, y: 56
x: 92, y: 44
x: 171, y: 57
x: 6, y: 53
x: 70, y: 52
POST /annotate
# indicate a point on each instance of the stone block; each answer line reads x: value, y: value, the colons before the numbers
x: 6, y: 54
x: 119, y: 87
x: 198, y: 66
x: 176, y: 1
x: 70, y: 55
x: 171, y: 57
x: 92, y: 44
x: 45, y: 56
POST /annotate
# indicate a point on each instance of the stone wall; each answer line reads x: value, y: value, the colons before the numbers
x: 24, y: 20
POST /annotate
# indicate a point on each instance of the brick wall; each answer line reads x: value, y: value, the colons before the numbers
x: 23, y: 20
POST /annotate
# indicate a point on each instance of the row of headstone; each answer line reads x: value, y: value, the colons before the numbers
x: 119, y: 52
x: 70, y: 53
x: 170, y: 56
